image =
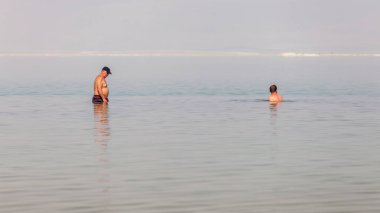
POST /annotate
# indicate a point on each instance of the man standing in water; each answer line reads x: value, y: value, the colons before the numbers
x: 274, y: 97
x: 101, y: 87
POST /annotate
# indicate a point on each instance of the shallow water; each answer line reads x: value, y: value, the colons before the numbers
x: 204, y: 141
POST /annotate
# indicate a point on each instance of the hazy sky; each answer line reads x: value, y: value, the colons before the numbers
x: 176, y: 25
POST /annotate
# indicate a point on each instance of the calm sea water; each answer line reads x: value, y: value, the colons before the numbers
x: 190, y: 135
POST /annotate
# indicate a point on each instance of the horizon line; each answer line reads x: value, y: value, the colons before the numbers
x: 189, y: 54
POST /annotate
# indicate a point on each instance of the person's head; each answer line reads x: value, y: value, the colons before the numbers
x: 105, y: 72
x: 273, y: 88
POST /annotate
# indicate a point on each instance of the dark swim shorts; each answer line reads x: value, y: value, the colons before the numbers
x: 97, y: 99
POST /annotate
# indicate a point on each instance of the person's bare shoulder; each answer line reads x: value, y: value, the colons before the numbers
x: 98, y: 80
x: 275, y: 98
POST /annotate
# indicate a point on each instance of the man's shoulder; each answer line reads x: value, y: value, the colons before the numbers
x: 98, y: 78
x: 275, y: 98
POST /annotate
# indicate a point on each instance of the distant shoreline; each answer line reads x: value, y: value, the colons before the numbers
x: 186, y: 54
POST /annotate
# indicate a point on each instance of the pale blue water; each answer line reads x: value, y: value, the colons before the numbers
x: 190, y: 135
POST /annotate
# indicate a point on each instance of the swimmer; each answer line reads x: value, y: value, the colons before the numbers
x: 101, y: 88
x: 274, y: 97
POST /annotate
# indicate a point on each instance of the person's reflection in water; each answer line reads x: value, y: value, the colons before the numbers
x: 102, y: 135
x: 102, y: 130
x: 273, y: 107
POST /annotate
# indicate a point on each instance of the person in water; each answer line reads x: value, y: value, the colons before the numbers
x: 101, y: 88
x: 274, y: 97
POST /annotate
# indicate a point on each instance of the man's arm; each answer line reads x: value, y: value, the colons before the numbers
x: 100, y: 91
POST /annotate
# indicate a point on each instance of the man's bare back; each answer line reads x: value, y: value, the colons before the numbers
x: 275, y: 98
x: 100, y: 87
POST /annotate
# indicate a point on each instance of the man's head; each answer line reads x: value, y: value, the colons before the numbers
x: 106, y: 71
x: 273, y: 88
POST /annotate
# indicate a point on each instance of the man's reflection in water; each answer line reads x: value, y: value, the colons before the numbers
x: 102, y: 129
x: 102, y: 136
x: 273, y: 107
